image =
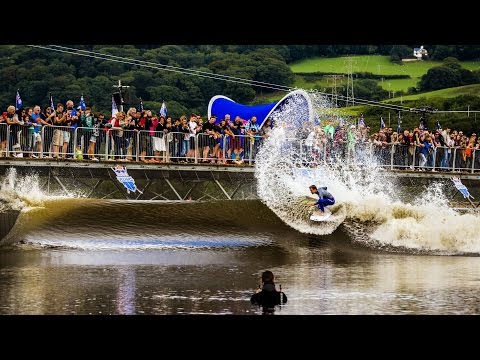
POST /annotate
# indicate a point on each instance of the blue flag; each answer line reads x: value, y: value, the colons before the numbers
x: 18, y: 101
x: 382, y: 123
x: 82, y: 103
x: 51, y: 103
x: 399, y: 124
x: 141, y: 105
x: 163, y: 109
x: 438, y: 125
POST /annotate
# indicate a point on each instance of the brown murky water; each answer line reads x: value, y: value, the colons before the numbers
x: 117, y: 257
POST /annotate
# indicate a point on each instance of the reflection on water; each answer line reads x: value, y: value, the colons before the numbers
x: 216, y: 269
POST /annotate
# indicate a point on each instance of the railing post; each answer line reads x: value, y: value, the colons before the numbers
x: 391, y: 156
x: 252, y: 139
x: 196, y: 148
x: 414, y: 157
x: 137, y: 146
x: 454, y: 159
x: 7, y: 154
x: 473, y: 159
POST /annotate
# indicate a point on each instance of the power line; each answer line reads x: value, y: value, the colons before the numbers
x: 147, y: 64
x: 333, y: 79
x: 171, y: 67
x: 349, y: 66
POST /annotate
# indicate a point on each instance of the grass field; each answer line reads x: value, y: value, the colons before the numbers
x: 444, y: 93
x: 375, y: 64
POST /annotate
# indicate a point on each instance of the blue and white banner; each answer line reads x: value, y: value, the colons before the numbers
x: 51, y: 103
x: 125, y: 179
x: 462, y: 188
x: 141, y: 105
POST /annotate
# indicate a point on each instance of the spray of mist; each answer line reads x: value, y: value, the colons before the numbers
x: 370, y: 205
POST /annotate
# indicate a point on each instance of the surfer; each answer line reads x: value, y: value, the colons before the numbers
x: 324, y: 197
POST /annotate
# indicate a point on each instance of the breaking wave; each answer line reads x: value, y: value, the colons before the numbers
x: 374, y: 208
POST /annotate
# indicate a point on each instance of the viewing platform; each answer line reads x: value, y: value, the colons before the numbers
x: 178, y: 181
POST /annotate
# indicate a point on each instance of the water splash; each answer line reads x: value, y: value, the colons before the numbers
x: 378, y: 211
x: 21, y: 192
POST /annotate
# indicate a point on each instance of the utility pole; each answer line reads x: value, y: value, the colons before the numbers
x: 333, y: 79
x: 349, y: 65
x: 120, y: 88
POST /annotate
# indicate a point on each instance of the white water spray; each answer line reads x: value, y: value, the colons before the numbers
x: 373, y: 207
x: 21, y: 192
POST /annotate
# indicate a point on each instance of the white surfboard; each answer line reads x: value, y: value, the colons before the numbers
x: 319, y: 216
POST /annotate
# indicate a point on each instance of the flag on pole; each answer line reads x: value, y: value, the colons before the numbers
x: 163, y: 109
x: 18, y: 101
x: 114, y: 107
x: 438, y: 125
x: 421, y: 125
x: 382, y: 123
x: 51, y: 102
x: 82, y: 103
x: 361, y: 121
x: 399, y: 124
x: 141, y: 105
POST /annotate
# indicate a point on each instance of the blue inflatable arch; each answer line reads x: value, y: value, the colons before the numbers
x: 221, y: 105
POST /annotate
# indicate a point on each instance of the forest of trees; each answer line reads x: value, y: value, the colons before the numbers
x: 38, y: 72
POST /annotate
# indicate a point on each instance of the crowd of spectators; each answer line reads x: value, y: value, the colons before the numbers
x: 75, y: 133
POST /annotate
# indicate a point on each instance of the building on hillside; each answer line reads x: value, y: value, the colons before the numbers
x: 420, y: 53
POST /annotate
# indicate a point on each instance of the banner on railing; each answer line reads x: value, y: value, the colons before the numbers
x: 462, y: 188
x: 125, y: 179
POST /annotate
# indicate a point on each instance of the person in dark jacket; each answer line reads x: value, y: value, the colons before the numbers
x: 324, y: 197
x: 268, y: 296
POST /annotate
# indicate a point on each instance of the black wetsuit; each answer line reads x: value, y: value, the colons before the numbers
x: 268, y: 297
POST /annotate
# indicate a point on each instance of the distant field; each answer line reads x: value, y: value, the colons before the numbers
x: 375, y: 64
x: 300, y: 82
x: 444, y: 93
x: 398, y: 84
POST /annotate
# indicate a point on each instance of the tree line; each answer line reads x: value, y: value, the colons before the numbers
x: 39, y: 72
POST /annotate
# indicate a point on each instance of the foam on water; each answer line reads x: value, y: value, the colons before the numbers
x: 372, y: 207
x: 22, y: 192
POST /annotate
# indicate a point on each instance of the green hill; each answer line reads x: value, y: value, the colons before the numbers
x: 375, y: 64
x: 473, y: 89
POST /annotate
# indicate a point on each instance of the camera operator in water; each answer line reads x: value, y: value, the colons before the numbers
x: 268, y: 296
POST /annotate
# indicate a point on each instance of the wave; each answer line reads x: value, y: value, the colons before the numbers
x: 376, y: 210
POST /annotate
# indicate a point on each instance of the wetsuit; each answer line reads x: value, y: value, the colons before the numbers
x: 325, y: 198
x: 268, y: 297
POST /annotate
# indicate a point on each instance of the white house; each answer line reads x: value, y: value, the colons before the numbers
x: 420, y: 53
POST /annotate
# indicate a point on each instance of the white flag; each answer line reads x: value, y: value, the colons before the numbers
x: 114, y: 107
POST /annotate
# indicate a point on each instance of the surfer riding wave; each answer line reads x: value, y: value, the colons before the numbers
x: 325, y: 198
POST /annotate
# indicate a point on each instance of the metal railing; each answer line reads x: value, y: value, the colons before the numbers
x: 151, y: 146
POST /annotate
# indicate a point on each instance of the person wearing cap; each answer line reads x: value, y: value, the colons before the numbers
x: 325, y: 198
x: 267, y: 296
